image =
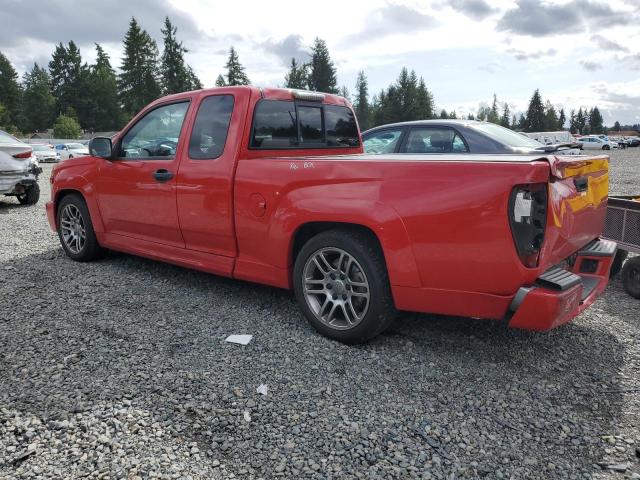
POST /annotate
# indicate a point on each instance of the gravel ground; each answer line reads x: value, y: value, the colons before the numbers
x: 118, y: 369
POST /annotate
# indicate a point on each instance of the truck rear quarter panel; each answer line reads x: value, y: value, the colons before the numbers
x: 443, y: 226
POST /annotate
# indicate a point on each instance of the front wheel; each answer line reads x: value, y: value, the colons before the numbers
x: 606, y: 147
x: 631, y: 277
x: 342, y: 286
x: 30, y: 196
x: 75, y: 230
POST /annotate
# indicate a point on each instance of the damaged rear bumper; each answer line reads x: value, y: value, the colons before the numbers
x: 561, y: 293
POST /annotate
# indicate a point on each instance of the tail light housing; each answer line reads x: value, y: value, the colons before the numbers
x: 26, y: 154
x: 528, y: 220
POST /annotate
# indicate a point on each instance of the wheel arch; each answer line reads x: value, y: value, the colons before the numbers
x: 96, y: 219
x: 392, y: 239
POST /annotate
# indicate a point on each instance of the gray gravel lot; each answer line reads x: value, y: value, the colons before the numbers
x: 118, y: 369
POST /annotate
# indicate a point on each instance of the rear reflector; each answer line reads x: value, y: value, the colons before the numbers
x: 26, y: 154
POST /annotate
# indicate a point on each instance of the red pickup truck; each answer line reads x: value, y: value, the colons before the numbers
x: 271, y: 186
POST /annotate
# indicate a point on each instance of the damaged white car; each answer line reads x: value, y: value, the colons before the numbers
x: 19, y: 170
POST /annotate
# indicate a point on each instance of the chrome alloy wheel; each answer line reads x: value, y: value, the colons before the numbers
x: 72, y: 228
x: 336, y: 288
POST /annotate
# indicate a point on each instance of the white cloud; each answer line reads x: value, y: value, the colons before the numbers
x: 465, y: 49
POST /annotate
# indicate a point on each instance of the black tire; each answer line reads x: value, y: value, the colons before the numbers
x: 30, y: 196
x: 367, y: 253
x: 606, y: 147
x: 631, y: 277
x: 616, y: 266
x: 91, y: 249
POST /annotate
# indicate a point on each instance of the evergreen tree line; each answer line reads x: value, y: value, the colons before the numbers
x: 72, y: 95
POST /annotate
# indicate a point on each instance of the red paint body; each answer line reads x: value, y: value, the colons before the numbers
x: 442, y: 221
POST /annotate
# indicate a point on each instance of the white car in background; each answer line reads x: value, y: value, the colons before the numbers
x: 19, y: 170
x: 592, y: 142
x: 71, y: 150
x: 45, y: 153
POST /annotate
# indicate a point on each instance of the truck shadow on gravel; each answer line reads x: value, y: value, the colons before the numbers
x: 88, y: 339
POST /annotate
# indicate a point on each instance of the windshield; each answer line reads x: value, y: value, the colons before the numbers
x: 506, y: 136
x: 75, y: 146
x: 40, y: 148
x: 6, y: 138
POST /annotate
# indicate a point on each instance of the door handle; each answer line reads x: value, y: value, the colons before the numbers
x: 162, y: 175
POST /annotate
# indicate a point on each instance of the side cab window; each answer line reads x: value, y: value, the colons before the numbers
x: 155, y: 136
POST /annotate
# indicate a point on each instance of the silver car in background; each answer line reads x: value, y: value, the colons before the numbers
x: 45, y: 153
x: 19, y: 170
x: 71, y: 150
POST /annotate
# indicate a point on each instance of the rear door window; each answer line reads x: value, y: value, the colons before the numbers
x: 434, y: 140
x: 209, y: 132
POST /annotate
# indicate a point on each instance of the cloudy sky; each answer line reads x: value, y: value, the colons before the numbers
x: 578, y: 52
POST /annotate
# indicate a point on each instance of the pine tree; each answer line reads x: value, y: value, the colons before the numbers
x: 193, y: 81
x: 616, y: 126
x: 10, y: 94
x: 235, y: 71
x: 471, y: 116
x: 522, y: 121
x: 103, y: 91
x: 492, y: 115
x: 322, y: 75
x: 69, y: 79
x: 505, y: 119
x: 562, y: 119
x: 39, y: 105
x: 138, y: 81
x: 453, y: 115
x: 425, y: 107
x: 344, y: 92
x: 535, y: 119
x: 550, y: 118
x: 220, y: 81
x: 444, y: 114
x: 573, y: 127
x: 361, y: 102
x: 175, y: 75
x: 514, y: 122
x: 483, y: 113
x: 581, y: 122
x: 596, y: 121
x: 297, y: 76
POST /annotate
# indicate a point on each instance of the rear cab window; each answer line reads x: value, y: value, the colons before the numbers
x: 284, y: 124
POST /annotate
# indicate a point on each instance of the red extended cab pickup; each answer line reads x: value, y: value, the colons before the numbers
x: 271, y: 186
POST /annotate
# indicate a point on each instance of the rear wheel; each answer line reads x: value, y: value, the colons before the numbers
x: 342, y: 286
x: 75, y: 230
x: 631, y: 277
x: 30, y: 196
x: 606, y: 147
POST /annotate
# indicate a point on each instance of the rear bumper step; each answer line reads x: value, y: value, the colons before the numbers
x: 558, y: 295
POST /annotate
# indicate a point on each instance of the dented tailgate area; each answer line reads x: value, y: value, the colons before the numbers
x: 577, y: 261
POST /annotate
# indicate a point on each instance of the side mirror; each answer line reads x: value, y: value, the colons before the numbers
x: 101, y: 147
